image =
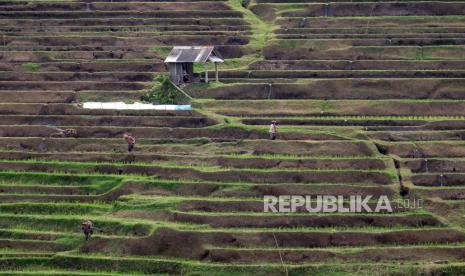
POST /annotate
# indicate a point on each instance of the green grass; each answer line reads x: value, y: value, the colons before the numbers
x: 31, y: 67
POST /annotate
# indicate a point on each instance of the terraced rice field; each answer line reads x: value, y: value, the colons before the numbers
x: 369, y: 99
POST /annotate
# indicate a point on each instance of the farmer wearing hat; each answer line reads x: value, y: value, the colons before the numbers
x: 87, y: 228
x: 130, y: 140
x: 273, y: 130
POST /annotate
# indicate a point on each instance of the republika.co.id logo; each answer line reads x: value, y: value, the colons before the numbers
x: 336, y: 204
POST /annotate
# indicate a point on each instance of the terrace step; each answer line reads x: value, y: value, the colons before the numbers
x: 122, y: 21
x: 70, y: 224
x: 426, y: 150
x: 264, y: 76
x: 456, y: 194
x: 73, y: 55
x: 438, y: 180
x: 118, y: 14
x: 366, y: 22
x: 32, y: 245
x: 370, y: 30
x: 268, y: 239
x: 309, y: 108
x: 323, y: 121
x: 75, y: 76
x: 48, y: 209
x: 392, y: 255
x: 72, y: 109
x: 121, y: 28
x: 358, y: 65
x: 370, y: 124
x: 292, y: 221
x: 90, y: 67
x: 330, y: 239
x: 73, y: 85
x: 355, y: 9
x: 223, y: 161
x: 128, y: 36
x: 434, y: 165
x: 125, y: 42
x: 347, y: 52
x: 232, y: 175
x: 31, y: 96
x: 392, y: 38
x: 206, y: 190
x: 120, y: 121
x: 142, y: 6
x: 176, y: 133
x: 336, y: 89
x: 403, y: 136
x: 242, y: 206
x: 323, y: 151
x: 32, y: 189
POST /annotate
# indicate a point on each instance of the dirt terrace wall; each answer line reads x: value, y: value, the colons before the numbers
x: 242, y: 206
x: 216, y: 176
x: 423, y: 150
x: 276, y: 52
x: 418, y: 136
x: 394, y: 74
x: 386, y: 39
x: 91, y: 67
x: 72, y: 109
x: 117, y: 14
x: 361, y: 23
x: 169, y: 242
x: 439, y: 180
x: 37, y: 97
x: 44, y: 246
x: 22, y: 189
x: 122, y: 42
x: 120, y: 121
x: 176, y: 133
x: 259, y: 163
x: 178, y: 146
x: 432, y: 125
x: 337, y: 108
x: 121, y: 6
x: 399, y: 255
x: 369, y: 30
x: 445, y: 194
x: 78, y: 76
x: 128, y: 21
x: 73, y: 85
x: 343, y: 89
x: 380, y: 9
x: 73, y: 55
x: 435, y: 165
x: 138, y: 29
x: 338, y: 122
x: 274, y: 221
x: 357, y: 65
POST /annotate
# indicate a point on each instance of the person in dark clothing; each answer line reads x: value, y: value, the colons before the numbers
x: 130, y: 140
x: 87, y: 228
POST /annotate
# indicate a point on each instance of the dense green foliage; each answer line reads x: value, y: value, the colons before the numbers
x: 163, y: 92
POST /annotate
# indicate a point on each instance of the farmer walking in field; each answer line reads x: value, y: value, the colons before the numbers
x: 87, y: 228
x: 130, y: 140
x: 273, y: 131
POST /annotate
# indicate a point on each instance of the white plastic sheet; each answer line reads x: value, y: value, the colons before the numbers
x: 134, y: 106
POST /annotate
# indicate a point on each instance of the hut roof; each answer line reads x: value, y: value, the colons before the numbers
x: 193, y: 54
